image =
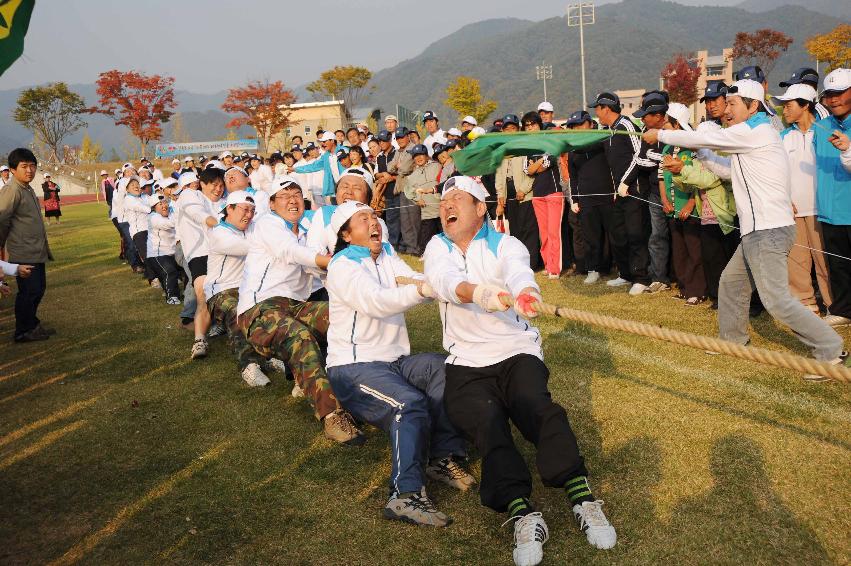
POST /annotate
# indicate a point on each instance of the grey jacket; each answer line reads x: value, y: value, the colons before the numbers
x: 21, y: 225
x: 401, y: 165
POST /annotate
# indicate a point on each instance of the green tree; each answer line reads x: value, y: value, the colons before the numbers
x: 90, y: 151
x: 465, y: 97
x: 347, y: 83
x: 51, y: 113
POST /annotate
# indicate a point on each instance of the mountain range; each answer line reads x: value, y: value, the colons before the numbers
x: 626, y: 48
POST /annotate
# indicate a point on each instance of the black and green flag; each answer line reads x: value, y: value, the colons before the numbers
x: 486, y: 152
x: 14, y: 22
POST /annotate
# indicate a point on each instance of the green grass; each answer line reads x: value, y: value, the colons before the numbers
x: 115, y: 449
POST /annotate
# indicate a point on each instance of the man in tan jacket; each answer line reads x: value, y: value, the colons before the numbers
x: 23, y: 235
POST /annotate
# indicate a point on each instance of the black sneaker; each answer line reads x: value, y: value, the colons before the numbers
x: 34, y: 335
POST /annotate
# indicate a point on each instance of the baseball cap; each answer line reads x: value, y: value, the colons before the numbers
x: 224, y: 154
x: 469, y: 120
x: 713, y: 90
x: 143, y: 159
x: 6, y: 168
x: 167, y: 182
x: 186, y: 179
x: 466, y: 184
x: 215, y: 163
x: 46, y: 175
x: 296, y: 148
x: 103, y: 171
x: 384, y: 136
x: 429, y: 115
x: 357, y: 172
x: 202, y: 159
x: 188, y: 158
x: 436, y: 149
x: 420, y: 149
x: 401, y: 132
x: 748, y: 88
x: 753, y: 72
x: 836, y: 81
x: 309, y: 145
x: 236, y: 168
x: 239, y: 197
x: 282, y: 182
x: 328, y: 136
x: 578, y: 117
x: 237, y: 159
x: 605, y: 99
x: 345, y: 211
x: 794, y: 92
x: 342, y: 152
x: 453, y: 132
x: 680, y: 113
x: 391, y: 117
x: 510, y: 119
x: 128, y: 165
x: 175, y: 160
x: 545, y: 107
x: 651, y: 103
x: 804, y: 75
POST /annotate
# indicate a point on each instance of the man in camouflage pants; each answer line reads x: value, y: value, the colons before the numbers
x: 222, y: 307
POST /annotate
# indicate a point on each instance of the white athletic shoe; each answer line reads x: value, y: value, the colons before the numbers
x: 816, y: 378
x: 617, y: 282
x: 637, y: 289
x: 593, y: 522
x: 658, y: 286
x: 530, y: 534
x: 254, y: 376
x: 155, y: 283
x: 592, y: 278
x: 199, y: 348
x: 297, y: 391
x: 836, y: 320
x: 172, y: 301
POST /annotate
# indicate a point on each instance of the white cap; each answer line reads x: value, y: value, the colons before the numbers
x: 476, y: 132
x: 147, y: 182
x: 175, y: 160
x: 46, y: 175
x: 122, y: 184
x: 186, y: 179
x: 363, y: 128
x: 240, y: 197
x: 545, y: 106
x: 127, y: 165
x: 680, y: 113
x: 747, y: 88
x: 838, y: 80
x: 215, y: 163
x: 224, y: 154
x: 328, y: 136
x: 188, y: 158
x: 282, y: 182
x: 466, y: 184
x: 391, y: 117
x: 357, y: 172
x: 102, y: 171
x: 469, y: 120
x: 795, y: 92
x: 238, y: 168
x: 154, y: 199
x: 4, y: 168
x: 166, y: 182
x: 454, y: 132
x: 346, y: 211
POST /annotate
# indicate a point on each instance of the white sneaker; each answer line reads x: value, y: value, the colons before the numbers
x: 815, y: 378
x: 254, y: 376
x: 172, y: 301
x: 199, y: 349
x: 836, y: 320
x: 274, y: 364
x: 658, y: 286
x: 593, y: 522
x: 155, y: 283
x: 530, y: 534
x: 617, y: 282
x: 297, y: 391
x: 637, y: 289
x: 592, y: 278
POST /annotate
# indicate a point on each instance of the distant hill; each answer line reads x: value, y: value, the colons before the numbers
x: 626, y: 48
x: 837, y: 8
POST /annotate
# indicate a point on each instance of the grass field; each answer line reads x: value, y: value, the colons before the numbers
x: 116, y: 449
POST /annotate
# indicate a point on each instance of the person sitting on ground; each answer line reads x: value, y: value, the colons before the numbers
x: 274, y: 312
x: 373, y: 373
x: 495, y: 373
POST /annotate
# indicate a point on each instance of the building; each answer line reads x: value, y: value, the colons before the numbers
x: 630, y: 100
x: 712, y: 68
x: 307, y: 118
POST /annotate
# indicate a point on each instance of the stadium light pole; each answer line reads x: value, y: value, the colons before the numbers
x: 581, y: 15
x: 544, y: 72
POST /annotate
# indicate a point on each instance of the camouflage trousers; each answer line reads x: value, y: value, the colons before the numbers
x: 292, y: 331
x: 222, y: 307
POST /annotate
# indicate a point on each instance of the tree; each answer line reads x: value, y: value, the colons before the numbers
x: 51, y: 113
x: 680, y: 77
x: 90, y: 151
x: 263, y: 107
x: 347, y: 83
x: 761, y: 47
x: 465, y: 97
x: 141, y: 102
x: 832, y: 48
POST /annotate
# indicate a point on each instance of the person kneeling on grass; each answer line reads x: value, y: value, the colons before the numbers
x: 161, y: 245
x: 227, y: 246
x: 373, y: 373
x: 274, y: 312
x: 495, y: 373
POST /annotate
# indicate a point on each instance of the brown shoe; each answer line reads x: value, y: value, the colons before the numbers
x: 340, y: 427
x: 34, y: 335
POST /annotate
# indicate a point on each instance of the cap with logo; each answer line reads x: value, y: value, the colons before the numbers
x: 342, y: 152
x: 469, y: 120
x: 344, y: 212
x: 429, y: 115
x: 510, y: 119
x: 608, y: 99
x: 713, y: 90
x: 652, y: 103
x: 837, y: 81
x: 282, y: 182
x: 748, y: 88
x: 167, y: 182
x: 296, y: 148
x: 328, y: 136
x: 384, y: 136
x: 754, y: 73
x: 401, y: 132
x: 420, y: 149
x: 467, y: 185
x: 794, y: 92
x: 239, y: 197
x: 545, y: 107
x: 436, y: 149
x: 578, y: 117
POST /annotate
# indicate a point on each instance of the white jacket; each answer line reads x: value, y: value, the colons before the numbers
x: 136, y: 211
x: 277, y: 263
x: 473, y: 337
x: 117, y: 210
x: 802, y: 168
x: 366, y: 307
x: 261, y: 200
x: 191, y: 222
x: 758, y: 166
x: 261, y: 178
x: 227, y: 247
x: 322, y: 238
x: 161, y: 235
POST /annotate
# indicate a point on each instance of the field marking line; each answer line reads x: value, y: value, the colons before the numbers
x: 41, y: 444
x: 49, y: 419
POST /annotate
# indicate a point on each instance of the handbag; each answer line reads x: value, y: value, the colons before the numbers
x: 51, y: 205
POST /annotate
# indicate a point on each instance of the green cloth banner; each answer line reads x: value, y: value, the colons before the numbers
x: 485, y: 153
x: 14, y: 22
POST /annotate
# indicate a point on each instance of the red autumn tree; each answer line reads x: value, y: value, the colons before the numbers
x: 762, y: 47
x: 140, y: 102
x: 680, y: 77
x: 261, y: 106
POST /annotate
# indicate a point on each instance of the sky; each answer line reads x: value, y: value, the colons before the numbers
x: 212, y: 45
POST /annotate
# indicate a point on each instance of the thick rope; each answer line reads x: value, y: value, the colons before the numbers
x: 761, y: 355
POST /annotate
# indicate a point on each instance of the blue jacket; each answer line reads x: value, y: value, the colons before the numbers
x: 833, y: 182
x: 325, y: 165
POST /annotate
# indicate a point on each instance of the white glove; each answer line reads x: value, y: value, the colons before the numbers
x: 623, y: 189
x: 575, y: 208
x: 489, y: 298
x: 525, y: 303
x: 425, y: 289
